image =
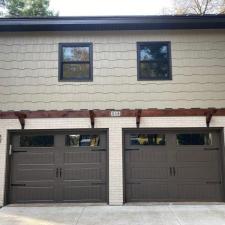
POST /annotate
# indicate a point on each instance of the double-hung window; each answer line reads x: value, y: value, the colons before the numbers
x: 75, y: 62
x: 154, y: 61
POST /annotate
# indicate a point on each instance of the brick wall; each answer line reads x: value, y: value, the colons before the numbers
x: 115, y: 126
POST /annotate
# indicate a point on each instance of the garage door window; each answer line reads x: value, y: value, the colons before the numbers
x: 194, y: 139
x: 37, y: 141
x: 77, y: 140
x: 147, y: 139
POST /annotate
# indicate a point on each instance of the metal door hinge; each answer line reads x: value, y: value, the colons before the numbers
x: 132, y: 149
x: 18, y: 185
x: 18, y: 151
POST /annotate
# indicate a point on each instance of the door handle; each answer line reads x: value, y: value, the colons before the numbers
x: 60, y: 172
x: 174, y: 171
x: 57, y: 172
x: 171, y: 171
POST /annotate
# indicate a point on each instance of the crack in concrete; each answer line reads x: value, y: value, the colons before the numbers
x: 175, y: 215
x: 78, y: 218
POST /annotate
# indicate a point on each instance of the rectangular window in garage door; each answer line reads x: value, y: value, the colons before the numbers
x: 82, y: 140
x: 36, y: 141
x: 147, y: 139
x: 194, y: 139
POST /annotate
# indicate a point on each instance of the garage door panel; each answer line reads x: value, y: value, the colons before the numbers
x: 84, y: 193
x: 33, y: 194
x: 199, y: 191
x: 32, y: 166
x: 31, y: 158
x: 34, y: 174
x: 147, y: 173
x: 84, y: 174
x: 84, y: 163
x: 147, y: 191
x: 198, y: 172
x: 82, y: 157
x: 146, y: 164
x: 199, y: 156
x: 147, y: 155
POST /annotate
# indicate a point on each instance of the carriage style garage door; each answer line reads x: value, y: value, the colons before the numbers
x: 169, y: 165
x: 59, y: 167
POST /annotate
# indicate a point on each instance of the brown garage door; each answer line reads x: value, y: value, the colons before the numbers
x: 181, y: 165
x: 59, y: 167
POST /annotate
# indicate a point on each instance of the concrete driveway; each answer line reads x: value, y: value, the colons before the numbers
x: 163, y: 214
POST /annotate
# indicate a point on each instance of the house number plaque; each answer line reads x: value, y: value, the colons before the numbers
x: 115, y: 113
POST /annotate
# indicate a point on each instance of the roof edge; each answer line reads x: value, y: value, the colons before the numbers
x: 112, y: 23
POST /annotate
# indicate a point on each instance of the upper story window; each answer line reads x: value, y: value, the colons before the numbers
x: 154, y: 61
x: 75, y: 62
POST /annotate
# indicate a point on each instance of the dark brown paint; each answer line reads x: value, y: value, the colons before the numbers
x: 60, y: 182
x: 167, y: 185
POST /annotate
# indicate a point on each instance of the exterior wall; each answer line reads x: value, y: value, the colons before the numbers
x: 115, y: 126
x: 29, y: 71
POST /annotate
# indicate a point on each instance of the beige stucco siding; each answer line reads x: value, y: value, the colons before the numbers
x: 29, y: 71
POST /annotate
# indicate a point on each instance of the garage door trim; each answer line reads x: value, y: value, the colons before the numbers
x: 12, y: 132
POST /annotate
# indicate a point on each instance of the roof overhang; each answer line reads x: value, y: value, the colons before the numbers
x: 112, y: 23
